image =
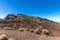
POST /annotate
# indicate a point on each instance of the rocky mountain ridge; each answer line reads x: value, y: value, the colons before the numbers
x: 15, y: 22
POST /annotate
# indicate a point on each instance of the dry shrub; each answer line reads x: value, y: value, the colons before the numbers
x: 31, y: 30
x: 3, y: 37
x: 7, y: 28
x: 14, y: 28
x: 37, y: 31
x: 45, y: 31
x: 27, y: 29
x: 21, y: 29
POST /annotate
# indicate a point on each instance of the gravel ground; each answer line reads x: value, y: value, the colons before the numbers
x: 17, y: 35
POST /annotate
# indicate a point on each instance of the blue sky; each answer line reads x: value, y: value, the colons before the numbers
x: 49, y: 9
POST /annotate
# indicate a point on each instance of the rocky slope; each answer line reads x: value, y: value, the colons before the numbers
x: 11, y: 25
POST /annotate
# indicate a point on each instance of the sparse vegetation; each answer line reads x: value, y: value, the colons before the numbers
x: 37, y: 31
x: 21, y: 29
x: 3, y: 37
x: 10, y: 17
x: 7, y: 28
x: 45, y: 31
x: 31, y: 30
x: 23, y: 22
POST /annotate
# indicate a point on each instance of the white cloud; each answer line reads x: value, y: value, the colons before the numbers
x: 2, y: 15
x: 56, y: 19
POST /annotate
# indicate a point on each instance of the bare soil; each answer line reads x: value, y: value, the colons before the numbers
x: 17, y: 35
